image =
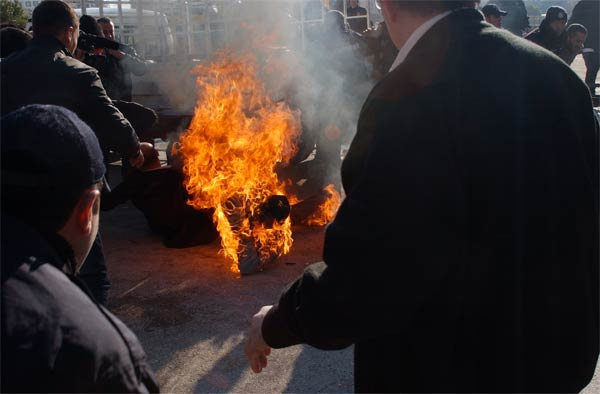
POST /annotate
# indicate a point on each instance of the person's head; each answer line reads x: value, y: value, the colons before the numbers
x: 353, y: 3
x: 52, y: 168
x: 108, y: 27
x: 88, y: 24
x: 57, y: 19
x: 493, y: 15
x: 576, y: 36
x: 556, y: 19
x: 13, y: 39
x: 403, y: 17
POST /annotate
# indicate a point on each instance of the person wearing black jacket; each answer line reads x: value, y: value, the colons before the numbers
x: 116, y: 75
x: 586, y: 13
x: 46, y: 73
x: 548, y: 34
x: 55, y: 337
x: 464, y: 257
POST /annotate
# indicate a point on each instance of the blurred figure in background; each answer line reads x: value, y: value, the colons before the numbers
x: 548, y: 34
x: 517, y: 20
x: 354, y: 9
x: 573, y: 43
x: 13, y: 39
x: 586, y: 13
x: 493, y: 15
x: 116, y: 77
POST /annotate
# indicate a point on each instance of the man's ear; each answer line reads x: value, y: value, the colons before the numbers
x: 67, y: 37
x: 85, y: 210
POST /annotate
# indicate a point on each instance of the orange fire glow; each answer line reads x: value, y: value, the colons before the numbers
x: 236, y: 138
x: 327, y: 210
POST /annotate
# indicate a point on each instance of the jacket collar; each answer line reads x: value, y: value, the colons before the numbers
x: 22, y: 244
x: 434, y: 55
x: 50, y: 42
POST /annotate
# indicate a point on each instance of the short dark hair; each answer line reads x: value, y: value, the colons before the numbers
x: 425, y: 5
x: 13, y: 39
x: 105, y: 19
x: 88, y: 24
x: 576, y: 28
x: 51, y: 17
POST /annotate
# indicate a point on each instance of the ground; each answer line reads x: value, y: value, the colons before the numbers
x: 190, y: 312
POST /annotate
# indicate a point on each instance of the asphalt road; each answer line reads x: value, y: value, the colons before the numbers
x: 190, y: 312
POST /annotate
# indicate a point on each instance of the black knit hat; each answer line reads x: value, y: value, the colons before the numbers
x: 556, y: 13
x: 46, y: 146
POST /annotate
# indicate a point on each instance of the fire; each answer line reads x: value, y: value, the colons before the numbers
x: 235, y: 139
x: 327, y: 210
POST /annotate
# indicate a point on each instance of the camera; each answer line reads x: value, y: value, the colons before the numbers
x: 89, y: 42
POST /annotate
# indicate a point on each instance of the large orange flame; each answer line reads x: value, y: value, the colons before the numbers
x: 327, y: 210
x: 236, y: 137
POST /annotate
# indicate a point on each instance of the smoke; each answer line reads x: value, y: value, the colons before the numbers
x: 317, y: 68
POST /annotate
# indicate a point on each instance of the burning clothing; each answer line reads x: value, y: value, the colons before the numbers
x: 465, y: 255
x: 55, y: 338
x: 162, y: 198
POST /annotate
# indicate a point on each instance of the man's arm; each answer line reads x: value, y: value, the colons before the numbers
x: 130, y: 63
x: 391, y: 244
x: 112, y: 129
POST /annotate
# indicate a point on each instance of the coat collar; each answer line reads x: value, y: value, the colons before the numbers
x: 50, y: 42
x: 434, y: 55
x: 22, y: 244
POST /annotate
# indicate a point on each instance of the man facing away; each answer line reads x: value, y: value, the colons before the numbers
x: 549, y: 32
x: 55, y: 337
x: 493, y: 15
x: 465, y: 255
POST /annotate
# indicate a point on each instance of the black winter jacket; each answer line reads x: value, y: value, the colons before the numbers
x: 55, y: 337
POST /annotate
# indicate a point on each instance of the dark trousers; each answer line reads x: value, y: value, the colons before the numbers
x: 592, y: 64
x: 94, y: 274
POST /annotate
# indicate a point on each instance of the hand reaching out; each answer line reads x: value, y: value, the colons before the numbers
x: 256, y: 349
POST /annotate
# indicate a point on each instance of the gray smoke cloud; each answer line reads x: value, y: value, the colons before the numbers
x: 315, y: 67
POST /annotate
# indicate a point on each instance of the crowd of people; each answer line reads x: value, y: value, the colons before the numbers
x: 480, y: 146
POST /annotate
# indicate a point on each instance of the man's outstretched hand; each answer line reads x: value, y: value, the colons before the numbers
x: 256, y: 349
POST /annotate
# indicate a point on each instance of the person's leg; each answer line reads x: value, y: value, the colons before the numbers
x: 94, y: 274
x: 592, y: 64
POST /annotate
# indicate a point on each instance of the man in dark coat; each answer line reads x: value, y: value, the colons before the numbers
x: 573, y: 42
x: 46, y: 73
x: 549, y: 33
x: 116, y: 75
x: 586, y: 13
x: 517, y: 20
x: 465, y: 255
x: 55, y: 337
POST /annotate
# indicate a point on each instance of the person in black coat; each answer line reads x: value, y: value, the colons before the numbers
x: 586, y: 13
x: 548, y: 34
x: 46, y: 73
x: 464, y: 257
x: 55, y: 337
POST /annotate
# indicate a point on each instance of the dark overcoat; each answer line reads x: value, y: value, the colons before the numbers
x: 45, y: 73
x: 465, y: 255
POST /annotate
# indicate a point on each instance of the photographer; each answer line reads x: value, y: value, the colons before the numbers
x: 116, y: 76
x: 46, y: 73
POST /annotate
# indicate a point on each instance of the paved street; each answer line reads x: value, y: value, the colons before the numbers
x: 190, y: 312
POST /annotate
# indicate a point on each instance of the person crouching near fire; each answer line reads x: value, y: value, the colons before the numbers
x: 55, y: 336
x: 573, y: 43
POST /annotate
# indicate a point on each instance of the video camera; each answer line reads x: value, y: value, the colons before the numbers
x: 89, y: 42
